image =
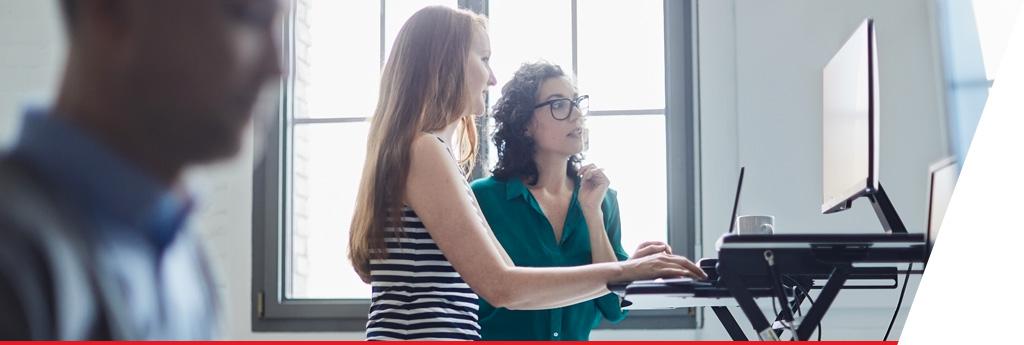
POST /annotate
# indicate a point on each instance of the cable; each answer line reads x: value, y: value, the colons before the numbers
x: 775, y: 311
x: 769, y: 258
x: 783, y: 322
x: 796, y: 289
x: 776, y: 282
x: 808, y: 295
x: 903, y: 291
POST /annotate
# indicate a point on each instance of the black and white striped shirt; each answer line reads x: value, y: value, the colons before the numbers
x: 417, y: 295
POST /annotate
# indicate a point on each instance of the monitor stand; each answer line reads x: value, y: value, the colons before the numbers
x: 884, y: 209
x: 886, y: 212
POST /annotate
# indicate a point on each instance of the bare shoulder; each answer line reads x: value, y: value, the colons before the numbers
x: 426, y: 141
x: 433, y: 176
x: 427, y: 151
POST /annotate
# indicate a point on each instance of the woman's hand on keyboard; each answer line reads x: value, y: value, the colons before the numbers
x: 650, y: 248
x: 662, y: 265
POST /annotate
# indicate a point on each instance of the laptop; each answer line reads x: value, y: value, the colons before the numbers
x: 677, y: 285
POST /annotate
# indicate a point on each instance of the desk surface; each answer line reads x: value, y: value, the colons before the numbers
x: 670, y: 294
x: 675, y: 301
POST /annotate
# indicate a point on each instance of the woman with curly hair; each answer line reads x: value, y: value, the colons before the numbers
x: 544, y: 208
x: 417, y: 234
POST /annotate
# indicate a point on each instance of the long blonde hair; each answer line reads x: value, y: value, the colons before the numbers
x: 422, y: 89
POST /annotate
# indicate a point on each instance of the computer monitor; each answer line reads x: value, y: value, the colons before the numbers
x: 850, y: 129
x: 942, y: 175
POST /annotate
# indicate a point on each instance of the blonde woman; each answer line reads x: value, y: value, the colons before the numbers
x: 417, y: 235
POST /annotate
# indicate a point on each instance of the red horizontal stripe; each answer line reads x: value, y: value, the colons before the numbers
x: 427, y: 342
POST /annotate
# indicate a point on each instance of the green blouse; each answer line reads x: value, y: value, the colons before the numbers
x: 520, y: 225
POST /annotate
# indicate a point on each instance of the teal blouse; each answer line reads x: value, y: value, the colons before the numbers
x: 520, y: 225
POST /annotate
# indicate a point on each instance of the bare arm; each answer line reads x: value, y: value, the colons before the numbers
x: 593, y: 186
x: 600, y: 246
x: 446, y: 205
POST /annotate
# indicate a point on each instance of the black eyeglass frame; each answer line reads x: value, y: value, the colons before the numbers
x: 574, y: 102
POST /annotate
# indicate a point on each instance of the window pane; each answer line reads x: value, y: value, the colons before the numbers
x: 327, y: 163
x: 994, y: 19
x: 621, y: 53
x: 631, y: 149
x: 338, y: 62
x: 398, y: 11
x: 491, y: 158
x: 527, y: 31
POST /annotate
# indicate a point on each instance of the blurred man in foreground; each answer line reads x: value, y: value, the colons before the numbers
x: 92, y: 215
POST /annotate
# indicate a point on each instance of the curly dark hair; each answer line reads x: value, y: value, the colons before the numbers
x: 512, y: 114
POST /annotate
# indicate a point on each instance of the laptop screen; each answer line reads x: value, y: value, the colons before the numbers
x: 736, y: 201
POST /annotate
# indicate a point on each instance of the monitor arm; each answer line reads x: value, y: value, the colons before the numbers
x: 886, y: 212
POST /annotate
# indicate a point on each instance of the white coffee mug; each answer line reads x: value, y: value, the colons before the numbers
x: 755, y: 225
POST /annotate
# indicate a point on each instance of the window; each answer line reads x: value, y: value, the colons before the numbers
x: 337, y: 77
x: 974, y: 35
x: 304, y: 190
x: 627, y: 99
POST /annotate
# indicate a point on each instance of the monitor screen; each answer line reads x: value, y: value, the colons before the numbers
x: 850, y: 121
x: 943, y: 179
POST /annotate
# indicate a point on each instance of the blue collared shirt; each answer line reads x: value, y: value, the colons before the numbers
x: 137, y: 227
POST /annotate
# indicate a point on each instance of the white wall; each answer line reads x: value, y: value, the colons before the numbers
x: 31, y: 48
x: 760, y: 107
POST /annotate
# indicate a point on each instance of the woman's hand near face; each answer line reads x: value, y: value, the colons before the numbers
x: 593, y: 186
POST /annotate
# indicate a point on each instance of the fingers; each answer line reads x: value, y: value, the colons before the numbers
x: 672, y: 272
x: 663, y: 266
x: 676, y: 273
x: 591, y: 171
x: 645, y: 251
x: 691, y: 274
x: 586, y: 168
x: 648, y: 243
x: 653, y: 248
x: 668, y: 248
x: 589, y: 174
x: 687, y: 265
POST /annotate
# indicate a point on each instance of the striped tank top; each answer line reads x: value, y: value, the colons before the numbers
x: 417, y: 295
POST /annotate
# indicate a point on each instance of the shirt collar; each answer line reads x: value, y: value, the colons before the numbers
x: 515, y: 187
x: 108, y: 188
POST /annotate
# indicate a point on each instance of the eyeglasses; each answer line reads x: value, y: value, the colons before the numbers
x: 561, y: 108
